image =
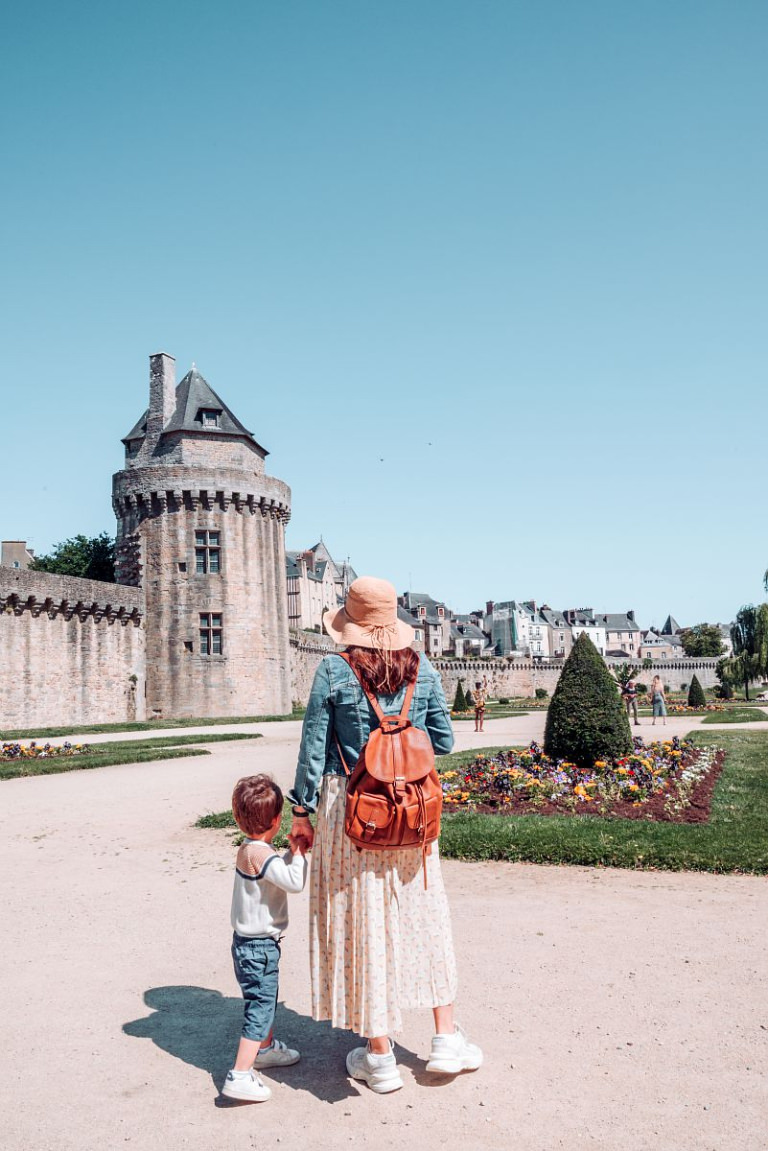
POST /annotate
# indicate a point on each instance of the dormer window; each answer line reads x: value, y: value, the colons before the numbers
x: 209, y: 417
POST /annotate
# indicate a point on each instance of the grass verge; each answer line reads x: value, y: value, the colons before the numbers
x: 39, y: 733
x: 734, y: 840
x: 121, y: 751
x: 736, y: 715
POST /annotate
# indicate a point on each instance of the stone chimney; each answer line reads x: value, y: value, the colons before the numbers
x: 631, y: 616
x: 162, y: 393
x: 489, y: 606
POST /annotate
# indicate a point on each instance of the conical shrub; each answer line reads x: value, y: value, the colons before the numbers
x: 696, y: 697
x: 459, y: 700
x: 586, y: 718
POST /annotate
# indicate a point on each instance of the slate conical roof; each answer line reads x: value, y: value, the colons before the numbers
x: 671, y: 626
x: 194, y: 395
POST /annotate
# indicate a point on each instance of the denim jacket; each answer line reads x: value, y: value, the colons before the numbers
x: 338, y: 709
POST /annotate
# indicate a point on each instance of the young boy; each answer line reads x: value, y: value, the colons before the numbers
x: 259, y: 917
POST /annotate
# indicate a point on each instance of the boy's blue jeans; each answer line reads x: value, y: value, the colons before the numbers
x: 257, y: 963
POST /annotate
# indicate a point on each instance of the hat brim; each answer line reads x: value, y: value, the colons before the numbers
x: 342, y: 630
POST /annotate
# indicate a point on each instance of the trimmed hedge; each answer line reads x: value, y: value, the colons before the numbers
x: 586, y: 719
x: 696, y: 697
x: 459, y: 700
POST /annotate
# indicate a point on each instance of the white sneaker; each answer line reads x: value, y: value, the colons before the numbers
x: 278, y: 1055
x: 451, y: 1054
x: 380, y: 1072
x: 247, y: 1087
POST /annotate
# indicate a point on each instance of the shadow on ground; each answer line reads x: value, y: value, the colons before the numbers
x: 202, y: 1028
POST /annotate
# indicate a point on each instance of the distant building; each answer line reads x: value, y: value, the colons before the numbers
x: 315, y: 584
x: 16, y: 554
x: 582, y: 621
x: 468, y: 640
x: 655, y: 646
x: 431, y: 616
x: 560, y: 634
x: 622, y: 634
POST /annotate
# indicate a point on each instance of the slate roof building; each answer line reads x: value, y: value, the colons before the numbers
x: 433, y: 617
x: 201, y: 530
x: 315, y: 583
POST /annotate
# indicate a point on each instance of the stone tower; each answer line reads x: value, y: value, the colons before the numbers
x: 201, y: 529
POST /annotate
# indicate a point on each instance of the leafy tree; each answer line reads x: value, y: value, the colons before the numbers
x: 702, y: 640
x: 696, y: 697
x: 90, y: 557
x: 749, y: 636
x: 541, y: 693
x: 459, y: 700
x: 586, y: 719
x: 626, y: 673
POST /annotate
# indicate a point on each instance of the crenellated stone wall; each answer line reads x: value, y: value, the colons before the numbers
x: 519, y: 679
x: 306, y: 652
x: 72, y: 651
x: 513, y: 679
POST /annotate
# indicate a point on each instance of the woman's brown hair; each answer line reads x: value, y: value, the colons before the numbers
x: 384, y: 672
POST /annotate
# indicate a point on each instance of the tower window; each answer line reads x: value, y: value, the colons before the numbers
x: 210, y: 634
x: 207, y: 553
x: 209, y: 417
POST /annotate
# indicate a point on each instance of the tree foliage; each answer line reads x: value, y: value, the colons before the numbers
x: 89, y: 557
x: 702, y: 640
x: 696, y: 697
x: 586, y: 719
x: 626, y: 673
x: 749, y: 635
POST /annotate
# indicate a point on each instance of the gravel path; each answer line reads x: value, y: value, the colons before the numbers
x: 617, y: 1009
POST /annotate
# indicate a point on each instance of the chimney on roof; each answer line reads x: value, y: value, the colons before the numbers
x: 162, y: 392
x: 631, y: 615
x: 489, y: 605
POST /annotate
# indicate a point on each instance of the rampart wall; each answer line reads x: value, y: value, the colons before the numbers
x: 72, y: 651
x: 520, y: 678
x: 506, y: 678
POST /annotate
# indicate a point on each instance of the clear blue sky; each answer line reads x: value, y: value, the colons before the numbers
x: 489, y: 279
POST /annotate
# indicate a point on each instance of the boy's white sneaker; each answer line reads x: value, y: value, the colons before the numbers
x: 278, y: 1055
x: 245, y: 1086
x: 380, y: 1072
x: 451, y: 1054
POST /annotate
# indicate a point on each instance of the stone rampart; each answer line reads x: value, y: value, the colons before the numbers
x: 506, y: 678
x: 72, y: 651
x: 520, y: 678
x: 307, y: 649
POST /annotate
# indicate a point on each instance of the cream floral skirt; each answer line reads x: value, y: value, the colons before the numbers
x: 379, y: 943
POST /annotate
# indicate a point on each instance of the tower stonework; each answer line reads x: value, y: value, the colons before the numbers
x: 201, y: 529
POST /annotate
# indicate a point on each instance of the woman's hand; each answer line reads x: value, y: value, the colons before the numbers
x: 302, y: 834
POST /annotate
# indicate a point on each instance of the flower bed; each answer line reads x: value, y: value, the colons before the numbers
x: 670, y: 781
x: 13, y: 751
x: 684, y: 709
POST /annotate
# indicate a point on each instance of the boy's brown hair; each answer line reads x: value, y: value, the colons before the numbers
x: 256, y: 803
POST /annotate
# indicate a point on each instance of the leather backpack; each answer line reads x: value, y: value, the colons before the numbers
x: 394, y: 795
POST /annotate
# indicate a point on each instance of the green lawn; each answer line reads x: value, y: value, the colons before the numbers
x: 121, y: 751
x: 736, y: 715
x: 39, y: 733
x: 735, y: 839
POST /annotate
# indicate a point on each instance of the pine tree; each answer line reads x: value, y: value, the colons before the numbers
x: 696, y: 697
x: 459, y: 701
x: 586, y: 719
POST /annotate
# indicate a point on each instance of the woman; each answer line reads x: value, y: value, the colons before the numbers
x: 658, y: 700
x: 380, y: 937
